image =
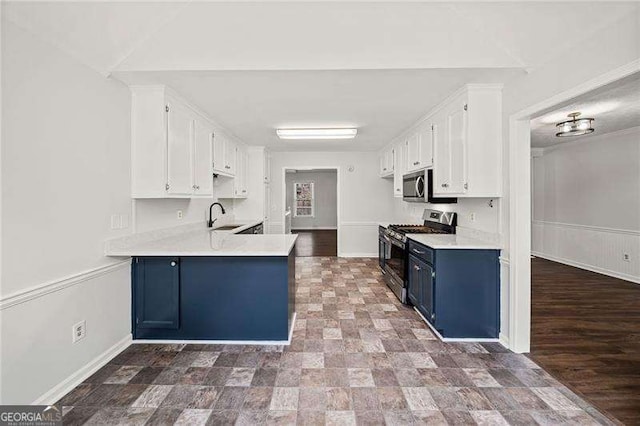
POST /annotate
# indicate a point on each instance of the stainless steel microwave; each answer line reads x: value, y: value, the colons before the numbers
x: 417, y: 187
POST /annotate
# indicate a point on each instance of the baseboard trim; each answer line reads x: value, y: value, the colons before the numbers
x: 454, y: 339
x: 503, y: 340
x: 67, y: 385
x: 607, y: 272
x: 316, y: 228
x: 358, y: 255
x: 24, y: 296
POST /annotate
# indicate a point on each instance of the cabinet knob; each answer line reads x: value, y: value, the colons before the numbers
x: 397, y: 189
x: 416, y: 267
x: 173, y: 263
x: 445, y: 185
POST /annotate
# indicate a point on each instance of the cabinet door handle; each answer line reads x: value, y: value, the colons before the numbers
x: 418, y: 251
x: 445, y: 185
x: 173, y: 263
x: 397, y: 189
x: 415, y: 163
x: 244, y: 190
x: 416, y: 267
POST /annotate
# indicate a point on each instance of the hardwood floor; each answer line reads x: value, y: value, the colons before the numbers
x: 316, y: 242
x: 585, y: 330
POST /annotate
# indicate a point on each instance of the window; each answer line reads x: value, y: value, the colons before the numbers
x: 303, y: 199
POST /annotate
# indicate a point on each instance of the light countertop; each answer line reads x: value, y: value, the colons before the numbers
x: 452, y: 241
x: 205, y: 242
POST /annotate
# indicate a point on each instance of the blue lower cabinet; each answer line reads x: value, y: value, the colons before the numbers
x: 156, y: 293
x: 457, y: 291
x: 219, y: 298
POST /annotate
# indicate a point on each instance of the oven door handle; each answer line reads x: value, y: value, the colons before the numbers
x: 418, y: 192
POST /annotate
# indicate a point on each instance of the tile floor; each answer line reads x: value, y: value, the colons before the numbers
x: 357, y: 357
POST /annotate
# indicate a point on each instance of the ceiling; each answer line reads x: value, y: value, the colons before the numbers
x: 614, y: 107
x: 380, y: 103
x: 255, y: 66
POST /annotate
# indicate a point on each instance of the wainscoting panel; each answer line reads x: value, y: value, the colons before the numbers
x: 588, y: 247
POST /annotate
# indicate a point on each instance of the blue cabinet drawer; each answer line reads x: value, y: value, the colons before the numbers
x: 421, y: 252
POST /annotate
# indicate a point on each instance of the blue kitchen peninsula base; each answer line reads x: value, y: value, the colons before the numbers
x: 213, y: 297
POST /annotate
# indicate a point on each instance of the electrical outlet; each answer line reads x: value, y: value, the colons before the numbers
x: 626, y: 257
x: 472, y: 217
x: 79, y: 331
x: 180, y: 214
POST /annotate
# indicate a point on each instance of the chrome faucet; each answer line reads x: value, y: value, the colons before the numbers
x: 211, y: 221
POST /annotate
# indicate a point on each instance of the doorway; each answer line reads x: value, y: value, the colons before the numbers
x: 311, y: 206
x: 585, y: 242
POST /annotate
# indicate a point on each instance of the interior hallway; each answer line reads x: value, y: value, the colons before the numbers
x: 316, y: 242
x: 585, y: 330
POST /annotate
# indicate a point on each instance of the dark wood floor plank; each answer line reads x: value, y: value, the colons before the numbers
x: 316, y: 242
x: 585, y: 330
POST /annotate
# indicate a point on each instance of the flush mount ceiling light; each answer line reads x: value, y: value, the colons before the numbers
x: 575, y: 126
x: 316, y: 133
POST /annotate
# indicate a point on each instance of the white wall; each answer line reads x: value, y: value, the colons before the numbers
x: 325, y: 203
x: 152, y: 214
x: 65, y: 170
x: 361, y: 200
x: 485, y: 210
x: 586, y: 203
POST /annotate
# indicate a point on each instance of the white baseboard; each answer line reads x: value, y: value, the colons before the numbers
x: 357, y: 254
x: 315, y: 228
x: 67, y: 385
x: 504, y: 340
x: 591, y: 268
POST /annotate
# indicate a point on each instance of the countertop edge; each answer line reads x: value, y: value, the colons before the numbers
x: 468, y: 243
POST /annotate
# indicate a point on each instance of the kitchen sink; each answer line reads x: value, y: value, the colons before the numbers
x: 226, y: 227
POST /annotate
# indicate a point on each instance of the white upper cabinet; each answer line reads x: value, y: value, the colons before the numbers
x: 387, y: 162
x: 224, y: 155
x: 230, y: 156
x: 468, y: 143
x: 399, y: 159
x: 175, y: 149
x: 241, y: 172
x: 179, y: 145
x: 267, y: 167
x: 462, y: 140
x: 450, y: 140
x: 218, y: 153
x: 419, y: 148
x: 202, y: 155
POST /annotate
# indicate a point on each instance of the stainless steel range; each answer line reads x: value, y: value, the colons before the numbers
x: 392, y: 246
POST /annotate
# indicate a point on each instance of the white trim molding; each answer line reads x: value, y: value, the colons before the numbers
x: 594, y: 248
x: 67, y: 385
x: 316, y: 228
x: 35, y: 292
